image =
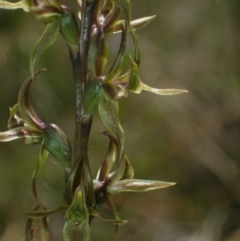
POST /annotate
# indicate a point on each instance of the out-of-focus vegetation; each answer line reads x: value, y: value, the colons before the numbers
x: 191, y: 139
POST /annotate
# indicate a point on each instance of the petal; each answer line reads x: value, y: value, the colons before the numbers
x: 9, y: 5
x: 115, y: 70
x: 19, y: 132
x: 108, y: 162
x: 108, y: 112
x: 163, y: 91
x: 136, y: 185
x: 134, y: 24
x: 14, y: 120
x: 141, y: 22
x: 56, y: 142
x: 27, y: 113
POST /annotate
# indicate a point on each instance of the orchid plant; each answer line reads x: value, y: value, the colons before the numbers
x: 96, y: 88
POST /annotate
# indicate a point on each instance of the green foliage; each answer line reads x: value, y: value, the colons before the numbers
x: 96, y: 89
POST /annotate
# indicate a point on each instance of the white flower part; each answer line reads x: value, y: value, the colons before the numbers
x: 9, y: 5
x: 162, y: 91
x: 137, y: 185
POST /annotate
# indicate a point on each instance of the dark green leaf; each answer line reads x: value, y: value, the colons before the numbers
x: 56, y: 142
x: 92, y: 95
x: 69, y: 28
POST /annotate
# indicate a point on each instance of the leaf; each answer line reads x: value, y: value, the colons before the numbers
x: 69, y: 27
x: 101, y: 60
x: 136, y: 185
x: 47, y: 38
x: 96, y: 46
x: 56, y: 142
x: 92, y: 95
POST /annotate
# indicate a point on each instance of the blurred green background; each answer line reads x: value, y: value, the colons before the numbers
x: 192, y: 139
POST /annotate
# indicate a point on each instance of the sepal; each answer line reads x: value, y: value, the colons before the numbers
x: 136, y: 185
x: 55, y: 141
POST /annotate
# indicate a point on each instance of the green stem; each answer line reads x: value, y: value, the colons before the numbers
x: 78, y: 89
x: 88, y: 9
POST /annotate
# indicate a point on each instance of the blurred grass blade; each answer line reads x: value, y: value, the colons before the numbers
x: 136, y: 185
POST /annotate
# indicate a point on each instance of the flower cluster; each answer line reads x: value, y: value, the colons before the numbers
x: 97, y: 88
